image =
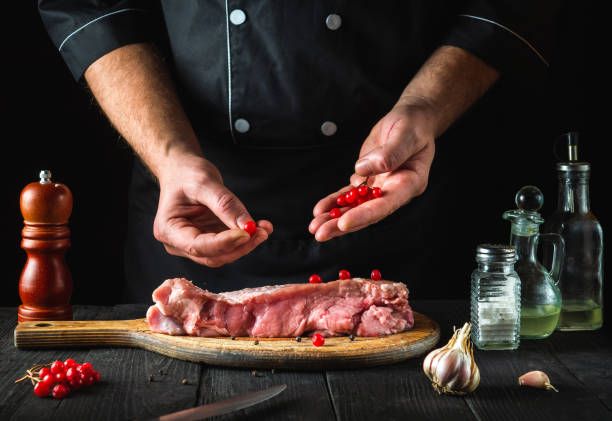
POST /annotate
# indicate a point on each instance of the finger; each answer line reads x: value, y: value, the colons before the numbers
x: 357, y: 180
x: 400, y: 145
x: 259, y: 237
x: 329, y: 202
x: 182, y: 235
x: 320, y: 219
x: 266, y: 226
x: 222, y: 202
x: 329, y: 229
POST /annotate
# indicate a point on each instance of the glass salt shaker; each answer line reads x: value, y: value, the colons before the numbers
x: 581, y: 280
x: 495, y: 298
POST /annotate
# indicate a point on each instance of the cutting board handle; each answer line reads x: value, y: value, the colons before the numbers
x: 90, y: 333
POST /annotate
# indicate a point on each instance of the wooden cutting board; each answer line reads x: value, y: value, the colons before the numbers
x: 339, y: 352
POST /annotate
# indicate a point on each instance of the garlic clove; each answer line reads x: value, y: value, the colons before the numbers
x: 451, y: 368
x: 537, y: 379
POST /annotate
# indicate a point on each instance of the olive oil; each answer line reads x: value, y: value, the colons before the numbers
x: 538, y: 321
x: 580, y: 315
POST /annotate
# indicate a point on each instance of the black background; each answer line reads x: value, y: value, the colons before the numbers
x: 503, y: 143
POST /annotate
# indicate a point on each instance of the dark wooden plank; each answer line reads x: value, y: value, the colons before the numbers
x: 305, y: 398
x: 126, y: 392
x: 588, y: 355
x: 399, y: 391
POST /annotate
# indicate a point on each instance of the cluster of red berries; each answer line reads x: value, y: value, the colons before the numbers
x: 375, y: 275
x: 61, y: 378
x: 355, y: 197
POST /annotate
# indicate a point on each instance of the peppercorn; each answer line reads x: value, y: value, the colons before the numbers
x: 352, y: 337
x: 256, y: 342
x: 298, y: 339
x: 185, y: 381
x: 151, y: 378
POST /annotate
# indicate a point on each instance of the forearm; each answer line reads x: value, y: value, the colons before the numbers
x: 449, y: 82
x: 134, y: 89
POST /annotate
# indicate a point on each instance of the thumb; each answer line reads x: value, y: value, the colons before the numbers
x: 400, y: 145
x: 223, y: 203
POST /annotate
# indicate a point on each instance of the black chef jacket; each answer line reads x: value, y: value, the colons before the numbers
x: 281, y: 95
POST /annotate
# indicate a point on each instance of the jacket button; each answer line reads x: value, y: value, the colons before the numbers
x: 237, y: 17
x: 329, y: 128
x: 241, y: 125
x: 333, y: 21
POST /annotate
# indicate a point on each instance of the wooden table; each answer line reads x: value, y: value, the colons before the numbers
x: 578, y: 363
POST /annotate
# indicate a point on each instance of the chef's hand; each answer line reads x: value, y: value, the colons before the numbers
x: 199, y: 218
x: 396, y: 156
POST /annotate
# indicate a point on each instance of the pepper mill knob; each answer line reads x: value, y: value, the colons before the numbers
x: 45, y: 285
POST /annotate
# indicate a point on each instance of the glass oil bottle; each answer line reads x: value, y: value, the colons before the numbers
x: 581, y: 281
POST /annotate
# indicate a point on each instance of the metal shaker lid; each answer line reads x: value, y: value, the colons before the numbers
x: 495, y: 253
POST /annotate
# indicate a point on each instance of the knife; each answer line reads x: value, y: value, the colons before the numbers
x: 222, y: 407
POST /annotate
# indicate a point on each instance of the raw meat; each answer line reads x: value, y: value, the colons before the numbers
x: 351, y: 306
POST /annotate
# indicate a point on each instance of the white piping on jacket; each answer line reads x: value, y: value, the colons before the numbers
x: 229, y: 71
x: 513, y: 33
x: 97, y: 19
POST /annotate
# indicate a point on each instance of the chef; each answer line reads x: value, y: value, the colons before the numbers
x: 267, y: 110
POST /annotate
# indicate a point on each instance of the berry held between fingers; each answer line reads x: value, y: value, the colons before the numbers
x: 250, y: 227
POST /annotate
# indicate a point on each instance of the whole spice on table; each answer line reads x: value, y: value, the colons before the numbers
x: 537, y: 379
x: 451, y: 368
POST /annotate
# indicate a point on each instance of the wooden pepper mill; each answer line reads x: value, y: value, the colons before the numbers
x: 45, y: 285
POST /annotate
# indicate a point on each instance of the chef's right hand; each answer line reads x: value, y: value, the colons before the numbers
x: 199, y: 218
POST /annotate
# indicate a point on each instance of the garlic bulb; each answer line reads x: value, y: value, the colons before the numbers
x: 451, y: 368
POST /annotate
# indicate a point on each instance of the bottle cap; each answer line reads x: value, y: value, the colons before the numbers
x: 495, y: 253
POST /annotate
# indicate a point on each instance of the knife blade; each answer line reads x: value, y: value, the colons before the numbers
x: 222, y: 407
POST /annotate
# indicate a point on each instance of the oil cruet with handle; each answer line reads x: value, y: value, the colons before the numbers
x: 540, y: 295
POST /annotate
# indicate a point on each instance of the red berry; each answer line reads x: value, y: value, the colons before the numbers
x: 362, y: 190
x: 344, y: 274
x: 76, y: 384
x: 49, y: 380
x: 60, y: 391
x: 361, y: 200
x: 318, y: 339
x: 335, y: 213
x: 315, y: 279
x: 250, y: 227
x: 86, y: 368
x: 376, y: 192
x: 72, y: 373
x: 341, y: 200
x: 43, y: 372
x: 96, y: 376
x: 69, y: 363
x: 41, y: 389
x: 61, y: 377
x: 57, y: 367
x: 376, y: 275
x: 88, y: 380
x: 351, y: 196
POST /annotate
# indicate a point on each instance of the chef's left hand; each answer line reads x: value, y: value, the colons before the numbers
x: 396, y: 156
